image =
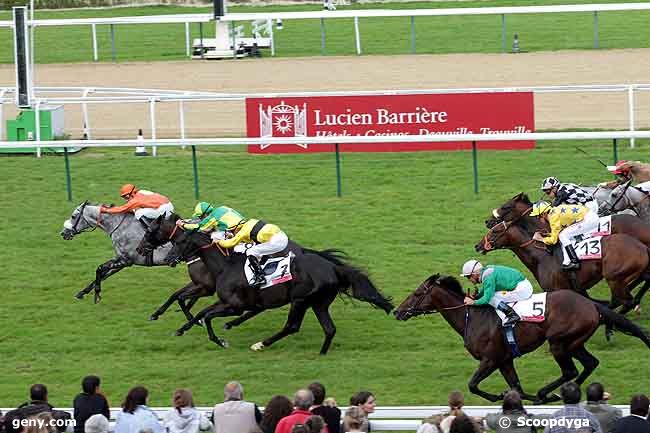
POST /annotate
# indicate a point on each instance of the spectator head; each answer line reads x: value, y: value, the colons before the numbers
x: 329, y: 401
x: 233, y: 391
x: 365, y: 400
x: 44, y: 424
x: 318, y: 390
x: 639, y: 405
x: 182, y: 398
x: 570, y: 392
x: 303, y: 399
x: 90, y: 384
x: 96, y: 424
x: 463, y: 424
x: 595, y: 392
x: 512, y: 402
x: 456, y: 401
x: 353, y: 419
x: 315, y: 423
x: 38, y: 391
x: 145, y: 430
x: 136, y: 396
x: 300, y: 428
x: 277, y: 408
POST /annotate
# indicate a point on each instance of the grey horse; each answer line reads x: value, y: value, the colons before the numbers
x: 635, y: 198
x: 125, y: 233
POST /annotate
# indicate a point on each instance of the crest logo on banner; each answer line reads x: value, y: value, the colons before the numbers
x: 283, y: 120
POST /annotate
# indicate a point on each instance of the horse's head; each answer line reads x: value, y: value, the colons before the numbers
x: 435, y: 292
x: 77, y: 223
x: 510, y: 210
x: 159, y: 233
x: 619, y: 200
x: 508, y: 234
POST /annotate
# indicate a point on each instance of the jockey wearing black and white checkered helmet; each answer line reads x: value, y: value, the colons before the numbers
x: 567, y: 193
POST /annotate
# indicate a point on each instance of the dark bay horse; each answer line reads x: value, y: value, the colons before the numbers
x: 520, y: 206
x: 319, y: 276
x: 570, y: 321
x: 624, y: 264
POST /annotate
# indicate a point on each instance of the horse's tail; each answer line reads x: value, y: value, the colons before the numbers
x: 621, y: 323
x: 353, y: 278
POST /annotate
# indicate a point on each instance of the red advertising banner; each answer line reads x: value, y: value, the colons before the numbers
x: 383, y: 115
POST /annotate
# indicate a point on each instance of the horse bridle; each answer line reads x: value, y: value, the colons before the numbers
x: 506, y: 225
x: 78, y: 220
x: 415, y: 311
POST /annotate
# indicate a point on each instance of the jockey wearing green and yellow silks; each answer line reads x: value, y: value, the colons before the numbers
x: 267, y: 239
x: 212, y: 218
x: 566, y: 222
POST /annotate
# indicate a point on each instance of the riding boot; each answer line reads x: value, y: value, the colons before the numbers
x: 575, y: 262
x: 511, y: 317
x: 146, y: 222
x: 258, y: 273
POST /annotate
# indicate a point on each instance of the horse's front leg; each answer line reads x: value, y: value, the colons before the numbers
x: 512, y: 379
x: 485, y: 369
x: 102, y: 272
x: 173, y: 298
x: 241, y: 319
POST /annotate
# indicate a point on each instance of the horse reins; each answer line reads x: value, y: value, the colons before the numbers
x: 416, y: 311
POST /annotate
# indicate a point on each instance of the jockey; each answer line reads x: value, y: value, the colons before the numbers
x: 626, y: 171
x: 566, y: 222
x: 207, y: 218
x: 567, y: 193
x: 500, y: 285
x: 268, y: 239
x: 146, y: 205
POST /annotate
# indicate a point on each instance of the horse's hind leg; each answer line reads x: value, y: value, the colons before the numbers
x: 322, y: 313
x: 485, y: 368
x: 512, y: 378
x: 569, y: 372
x: 292, y: 325
x: 641, y: 293
x: 588, y: 361
x: 173, y: 298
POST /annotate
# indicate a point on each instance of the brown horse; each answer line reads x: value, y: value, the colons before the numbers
x: 520, y: 205
x: 570, y: 321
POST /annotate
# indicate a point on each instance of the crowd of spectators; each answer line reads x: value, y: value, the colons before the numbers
x: 311, y: 412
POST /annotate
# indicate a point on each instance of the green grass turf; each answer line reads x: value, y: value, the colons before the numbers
x: 454, y: 34
x: 402, y: 216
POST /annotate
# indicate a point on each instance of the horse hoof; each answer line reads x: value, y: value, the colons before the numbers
x: 608, y: 335
x: 227, y: 326
x: 222, y: 343
x: 179, y: 333
x: 200, y: 322
x: 79, y: 295
x: 257, y: 347
x: 152, y: 318
x: 637, y: 309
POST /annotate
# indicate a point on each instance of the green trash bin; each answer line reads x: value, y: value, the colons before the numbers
x: 23, y: 128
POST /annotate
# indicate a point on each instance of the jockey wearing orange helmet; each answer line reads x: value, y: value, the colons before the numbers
x: 144, y: 204
x: 625, y: 171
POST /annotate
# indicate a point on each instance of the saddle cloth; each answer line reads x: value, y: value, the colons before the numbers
x: 604, y: 227
x: 532, y: 309
x: 276, y: 270
x: 589, y: 249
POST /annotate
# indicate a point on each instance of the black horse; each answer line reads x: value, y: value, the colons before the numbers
x: 318, y: 277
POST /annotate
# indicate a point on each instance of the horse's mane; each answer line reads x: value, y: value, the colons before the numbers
x: 522, y: 196
x: 448, y: 283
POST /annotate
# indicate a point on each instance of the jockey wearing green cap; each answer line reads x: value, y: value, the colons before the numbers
x: 210, y: 218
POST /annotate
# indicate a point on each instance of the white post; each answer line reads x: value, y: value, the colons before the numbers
x: 84, y: 109
x: 630, y: 107
x: 269, y: 24
x: 181, y: 112
x: 187, y: 40
x: 2, y: 104
x: 152, y: 116
x: 37, y: 119
x: 357, y: 37
x: 32, y: 29
x: 95, y: 54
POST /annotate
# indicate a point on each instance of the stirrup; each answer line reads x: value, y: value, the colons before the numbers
x: 572, y: 266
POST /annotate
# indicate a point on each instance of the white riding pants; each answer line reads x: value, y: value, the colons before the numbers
x: 153, y: 213
x: 277, y: 243
x: 521, y: 292
x: 588, y: 224
x: 218, y: 235
x: 593, y: 206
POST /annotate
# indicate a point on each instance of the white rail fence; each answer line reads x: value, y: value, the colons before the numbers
x: 152, y: 98
x: 390, y: 418
x: 187, y: 19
